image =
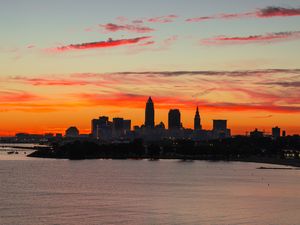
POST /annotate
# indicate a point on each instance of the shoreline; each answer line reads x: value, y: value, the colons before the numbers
x: 264, y: 160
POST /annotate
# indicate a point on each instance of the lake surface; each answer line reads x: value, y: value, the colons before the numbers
x: 90, y: 192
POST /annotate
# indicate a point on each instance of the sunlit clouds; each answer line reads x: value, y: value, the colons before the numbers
x: 111, y: 27
x: 100, y: 44
x: 260, y: 90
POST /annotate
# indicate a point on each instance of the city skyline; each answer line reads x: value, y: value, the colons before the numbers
x: 120, y: 128
x: 61, y: 67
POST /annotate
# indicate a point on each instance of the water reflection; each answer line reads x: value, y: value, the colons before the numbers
x: 146, y: 192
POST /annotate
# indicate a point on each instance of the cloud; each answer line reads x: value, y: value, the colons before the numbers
x: 221, y: 16
x: 17, y: 96
x: 265, y: 39
x: 101, y: 44
x: 262, y: 90
x: 111, y: 27
x: 238, y: 73
x: 268, y: 12
x: 57, y: 82
x: 163, y: 45
x: 147, y: 43
x: 165, y: 102
x: 295, y: 84
x: 262, y: 117
x: 277, y: 11
x: 162, y: 19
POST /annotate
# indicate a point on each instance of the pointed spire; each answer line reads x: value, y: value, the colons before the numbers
x: 197, y: 111
x: 197, y: 120
x: 149, y: 99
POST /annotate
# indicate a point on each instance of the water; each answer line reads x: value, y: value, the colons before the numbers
x: 45, y: 191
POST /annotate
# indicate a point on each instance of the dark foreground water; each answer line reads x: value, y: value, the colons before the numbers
x: 43, y: 191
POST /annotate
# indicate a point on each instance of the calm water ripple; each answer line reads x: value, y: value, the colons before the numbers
x: 42, y: 191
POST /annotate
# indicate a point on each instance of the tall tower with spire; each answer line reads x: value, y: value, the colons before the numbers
x: 197, y: 121
x: 149, y: 114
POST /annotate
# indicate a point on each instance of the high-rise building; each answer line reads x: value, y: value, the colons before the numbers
x: 197, y: 121
x: 220, y: 125
x: 276, y: 132
x: 102, y: 128
x: 220, y: 129
x: 118, y: 123
x: 127, y: 125
x: 174, y: 119
x: 149, y: 114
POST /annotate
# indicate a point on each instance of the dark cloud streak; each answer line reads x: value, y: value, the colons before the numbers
x: 268, y: 12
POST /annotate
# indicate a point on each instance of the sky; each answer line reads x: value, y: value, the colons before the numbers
x: 66, y: 62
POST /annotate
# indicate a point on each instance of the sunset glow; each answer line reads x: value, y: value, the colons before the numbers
x: 59, y: 68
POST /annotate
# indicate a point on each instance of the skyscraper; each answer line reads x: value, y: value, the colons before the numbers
x: 220, y: 125
x: 149, y: 114
x: 174, y: 119
x: 276, y: 132
x: 102, y: 128
x: 220, y: 129
x: 197, y: 121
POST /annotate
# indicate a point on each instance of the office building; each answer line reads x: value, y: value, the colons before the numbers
x: 149, y: 114
x: 174, y: 121
x: 220, y: 125
x: 102, y: 128
x: 275, y: 132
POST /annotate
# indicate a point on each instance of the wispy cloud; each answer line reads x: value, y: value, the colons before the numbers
x: 101, y: 44
x: 295, y: 84
x: 111, y: 27
x: 237, y: 73
x: 17, y: 96
x: 165, y: 102
x: 57, y: 81
x: 268, y: 12
x: 162, y: 19
x: 221, y: 16
x: 265, y: 38
x: 266, y: 90
x: 262, y: 117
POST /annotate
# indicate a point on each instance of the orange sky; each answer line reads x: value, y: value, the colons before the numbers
x: 236, y: 60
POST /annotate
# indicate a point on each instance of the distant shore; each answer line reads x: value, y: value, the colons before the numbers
x: 251, y: 159
x: 243, y: 149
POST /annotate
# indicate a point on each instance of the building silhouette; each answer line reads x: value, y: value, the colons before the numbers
x: 119, y: 129
x: 256, y: 133
x: 127, y: 126
x: 72, y: 132
x: 106, y: 130
x: 220, y: 129
x: 174, y: 121
x: 102, y: 128
x: 220, y: 125
x: 275, y: 132
x: 197, y: 120
x: 283, y: 133
x: 149, y: 114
